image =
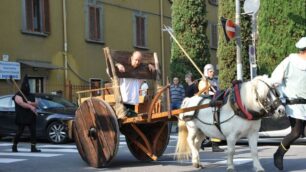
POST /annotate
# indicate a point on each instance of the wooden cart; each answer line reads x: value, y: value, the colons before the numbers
x: 96, y: 127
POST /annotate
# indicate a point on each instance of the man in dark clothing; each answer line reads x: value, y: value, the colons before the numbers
x: 25, y: 108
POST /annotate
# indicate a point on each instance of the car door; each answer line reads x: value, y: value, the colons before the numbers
x: 7, y: 116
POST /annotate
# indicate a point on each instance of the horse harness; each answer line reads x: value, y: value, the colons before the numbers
x: 217, y: 101
x: 238, y: 107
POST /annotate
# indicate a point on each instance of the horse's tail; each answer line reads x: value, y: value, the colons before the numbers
x: 182, y: 149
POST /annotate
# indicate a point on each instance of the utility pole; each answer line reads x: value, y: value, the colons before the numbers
x: 238, y: 42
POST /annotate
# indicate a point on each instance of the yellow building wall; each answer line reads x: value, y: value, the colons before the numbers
x: 20, y: 46
x: 212, y: 17
x: 85, y: 60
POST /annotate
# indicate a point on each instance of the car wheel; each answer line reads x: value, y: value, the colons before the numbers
x: 57, y: 132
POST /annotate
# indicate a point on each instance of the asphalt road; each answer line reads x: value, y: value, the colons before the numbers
x: 65, y: 158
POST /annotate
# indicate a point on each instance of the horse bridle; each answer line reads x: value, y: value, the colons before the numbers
x: 268, y: 106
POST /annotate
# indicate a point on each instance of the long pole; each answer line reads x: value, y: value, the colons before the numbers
x: 176, y: 41
x: 238, y: 42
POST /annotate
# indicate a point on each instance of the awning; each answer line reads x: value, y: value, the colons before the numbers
x: 40, y: 64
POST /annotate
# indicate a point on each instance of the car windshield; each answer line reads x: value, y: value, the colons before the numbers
x: 49, y: 102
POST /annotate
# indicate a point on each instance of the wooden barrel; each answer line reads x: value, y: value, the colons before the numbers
x: 157, y: 134
x: 96, y: 132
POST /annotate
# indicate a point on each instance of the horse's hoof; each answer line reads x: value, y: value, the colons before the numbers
x: 230, y: 170
x: 197, y: 165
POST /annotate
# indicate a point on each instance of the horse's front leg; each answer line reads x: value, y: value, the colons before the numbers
x: 253, y: 139
x: 192, y: 134
x: 231, y: 142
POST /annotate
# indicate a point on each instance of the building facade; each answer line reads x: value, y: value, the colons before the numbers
x: 60, y: 42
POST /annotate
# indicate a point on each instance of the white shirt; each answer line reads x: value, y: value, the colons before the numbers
x: 129, y: 88
x: 144, y: 88
x: 290, y: 75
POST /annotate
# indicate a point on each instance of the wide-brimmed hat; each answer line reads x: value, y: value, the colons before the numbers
x: 301, y: 44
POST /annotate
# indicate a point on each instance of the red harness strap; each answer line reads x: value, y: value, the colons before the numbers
x: 248, y: 115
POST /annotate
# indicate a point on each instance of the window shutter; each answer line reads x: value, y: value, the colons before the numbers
x: 97, y: 22
x: 91, y: 22
x: 142, y: 31
x: 29, y: 15
x: 46, y: 16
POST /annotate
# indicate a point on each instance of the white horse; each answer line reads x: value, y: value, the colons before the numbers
x: 258, y: 98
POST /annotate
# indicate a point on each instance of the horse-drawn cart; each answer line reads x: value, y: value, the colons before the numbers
x: 97, y: 128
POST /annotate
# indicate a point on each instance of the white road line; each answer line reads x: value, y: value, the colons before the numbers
x: 58, y: 146
x: 48, y: 150
x: 6, y: 144
x: 10, y: 160
x: 29, y: 154
x: 237, y: 161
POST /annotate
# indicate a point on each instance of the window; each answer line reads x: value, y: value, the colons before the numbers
x: 214, y: 36
x: 94, y: 21
x: 140, y: 30
x: 213, y: 2
x: 95, y: 83
x: 36, y: 18
x: 36, y: 84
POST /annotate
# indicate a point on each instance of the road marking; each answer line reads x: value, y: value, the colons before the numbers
x: 237, y: 161
x: 58, y: 146
x: 6, y: 144
x: 10, y: 160
x: 48, y: 150
x: 29, y: 154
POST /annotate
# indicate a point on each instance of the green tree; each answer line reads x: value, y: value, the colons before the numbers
x: 281, y: 25
x: 226, y: 52
x: 189, y: 24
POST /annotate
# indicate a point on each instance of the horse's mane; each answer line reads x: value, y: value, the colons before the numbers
x: 249, y: 89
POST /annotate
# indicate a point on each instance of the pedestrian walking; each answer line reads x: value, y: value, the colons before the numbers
x: 290, y: 75
x: 25, y: 107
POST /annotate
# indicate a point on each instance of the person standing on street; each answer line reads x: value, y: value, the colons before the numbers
x: 290, y: 75
x: 209, y: 79
x: 177, y: 93
x: 191, y: 88
x: 25, y: 108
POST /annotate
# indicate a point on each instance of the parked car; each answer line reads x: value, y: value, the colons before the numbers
x: 54, y: 114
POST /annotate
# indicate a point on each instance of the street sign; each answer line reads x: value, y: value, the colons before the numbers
x: 9, y: 69
x: 229, y: 28
x: 251, y: 6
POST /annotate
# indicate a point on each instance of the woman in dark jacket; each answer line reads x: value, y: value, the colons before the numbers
x: 25, y: 108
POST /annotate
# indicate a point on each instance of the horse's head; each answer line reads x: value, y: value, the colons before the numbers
x: 267, y: 97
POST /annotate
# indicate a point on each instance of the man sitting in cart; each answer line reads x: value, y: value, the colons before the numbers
x: 129, y: 87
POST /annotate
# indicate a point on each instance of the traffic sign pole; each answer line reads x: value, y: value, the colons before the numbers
x: 238, y: 42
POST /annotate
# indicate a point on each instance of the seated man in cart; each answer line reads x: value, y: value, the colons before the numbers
x: 129, y: 87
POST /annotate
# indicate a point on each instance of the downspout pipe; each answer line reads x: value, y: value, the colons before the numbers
x: 162, y: 41
x: 65, y: 53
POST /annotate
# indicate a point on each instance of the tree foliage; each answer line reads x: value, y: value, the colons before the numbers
x: 281, y: 25
x: 189, y: 24
x: 226, y: 52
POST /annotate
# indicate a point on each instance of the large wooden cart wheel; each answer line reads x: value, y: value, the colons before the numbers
x: 157, y: 135
x: 96, y: 132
